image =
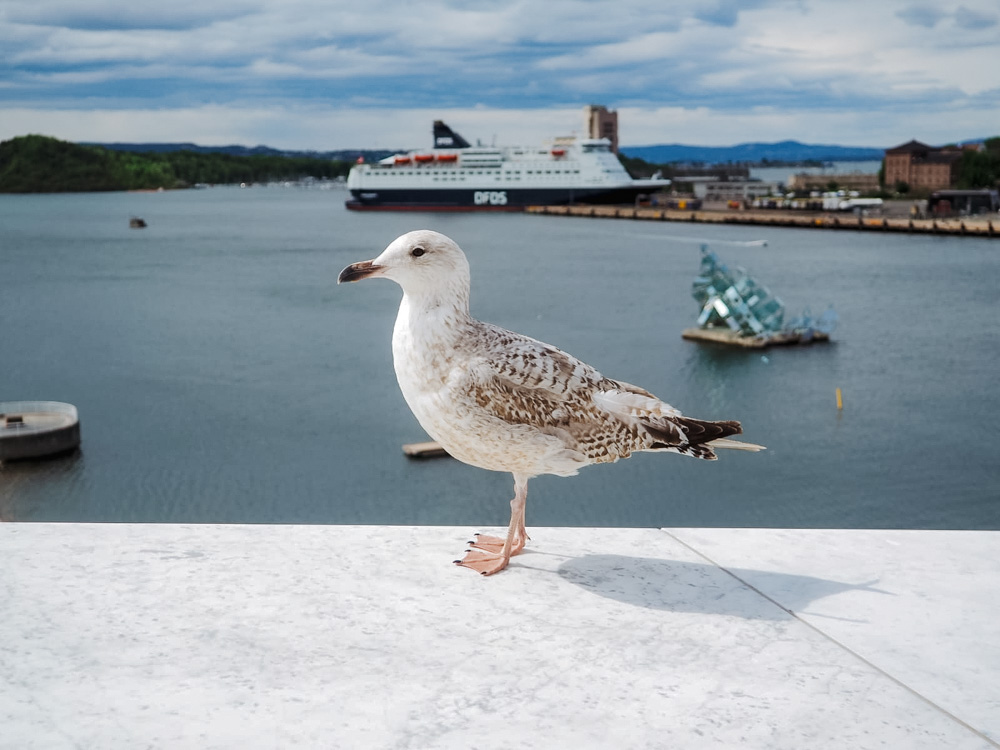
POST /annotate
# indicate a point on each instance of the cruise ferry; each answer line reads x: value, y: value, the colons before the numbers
x: 454, y: 175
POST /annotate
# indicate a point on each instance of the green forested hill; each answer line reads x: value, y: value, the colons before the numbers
x: 39, y: 164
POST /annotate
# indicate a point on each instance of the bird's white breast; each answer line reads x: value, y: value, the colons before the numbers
x: 433, y: 357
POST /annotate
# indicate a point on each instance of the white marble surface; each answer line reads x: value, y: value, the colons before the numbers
x: 933, y: 622
x: 127, y: 636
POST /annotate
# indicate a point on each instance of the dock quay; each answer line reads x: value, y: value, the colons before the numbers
x: 122, y: 635
x: 968, y: 226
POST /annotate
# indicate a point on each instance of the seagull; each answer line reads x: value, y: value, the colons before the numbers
x: 505, y: 402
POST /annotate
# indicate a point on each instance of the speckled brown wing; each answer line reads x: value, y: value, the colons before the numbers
x: 524, y: 381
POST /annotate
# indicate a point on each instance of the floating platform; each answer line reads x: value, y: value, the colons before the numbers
x: 966, y: 226
x: 732, y: 338
x: 429, y: 449
x: 35, y: 429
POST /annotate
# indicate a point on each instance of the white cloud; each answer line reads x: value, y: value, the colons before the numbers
x: 709, y: 127
x: 299, y: 127
x: 716, y: 67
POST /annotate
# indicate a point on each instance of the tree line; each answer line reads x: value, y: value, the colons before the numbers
x: 980, y: 169
x: 40, y: 164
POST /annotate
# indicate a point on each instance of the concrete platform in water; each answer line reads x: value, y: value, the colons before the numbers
x: 731, y: 338
x: 35, y: 429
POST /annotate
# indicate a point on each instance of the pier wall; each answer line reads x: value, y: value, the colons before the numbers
x: 964, y: 226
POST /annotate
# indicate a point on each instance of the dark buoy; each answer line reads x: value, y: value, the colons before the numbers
x: 136, y: 223
x: 34, y: 429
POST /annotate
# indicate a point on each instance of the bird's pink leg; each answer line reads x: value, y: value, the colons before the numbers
x: 490, y: 554
x: 495, y: 544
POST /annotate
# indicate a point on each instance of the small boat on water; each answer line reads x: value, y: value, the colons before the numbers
x: 456, y: 176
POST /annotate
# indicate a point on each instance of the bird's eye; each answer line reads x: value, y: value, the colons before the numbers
x: 417, y: 252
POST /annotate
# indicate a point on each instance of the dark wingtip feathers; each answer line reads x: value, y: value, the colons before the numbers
x: 698, y: 433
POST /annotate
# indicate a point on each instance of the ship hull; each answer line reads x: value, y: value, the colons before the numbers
x: 495, y: 199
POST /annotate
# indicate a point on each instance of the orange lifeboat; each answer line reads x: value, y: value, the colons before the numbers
x: 447, y: 157
x: 423, y: 158
x: 401, y: 160
x: 557, y: 152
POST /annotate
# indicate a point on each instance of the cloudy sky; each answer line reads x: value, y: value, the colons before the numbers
x: 328, y: 74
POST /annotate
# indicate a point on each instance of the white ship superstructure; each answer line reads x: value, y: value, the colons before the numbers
x: 455, y: 175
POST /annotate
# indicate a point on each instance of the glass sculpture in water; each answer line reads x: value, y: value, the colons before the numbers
x: 732, y: 299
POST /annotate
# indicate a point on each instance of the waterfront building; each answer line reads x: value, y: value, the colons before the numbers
x: 602, y: 123
x: 863, y: 182
x: 733, y: 190
x: 922, y: 167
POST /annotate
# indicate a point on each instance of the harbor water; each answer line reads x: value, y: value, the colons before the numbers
x: 222, y: 376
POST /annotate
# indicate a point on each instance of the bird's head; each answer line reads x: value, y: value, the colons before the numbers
x: 423, y: 262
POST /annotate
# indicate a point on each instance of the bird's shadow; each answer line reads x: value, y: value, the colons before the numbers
x: 703, y: 588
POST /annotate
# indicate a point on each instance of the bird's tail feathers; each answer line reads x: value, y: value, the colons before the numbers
x: 700, y: 437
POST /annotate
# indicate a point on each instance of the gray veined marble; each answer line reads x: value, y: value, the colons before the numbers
x: 124, y: 636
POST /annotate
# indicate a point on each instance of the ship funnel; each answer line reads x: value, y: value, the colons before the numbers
x: 445, y: 137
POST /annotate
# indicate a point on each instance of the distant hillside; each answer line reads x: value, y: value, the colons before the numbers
x: 754, y: 153
x: 659, y: 154
x: 39, y: 164
x: 236, y: 150
x: 787, y: 151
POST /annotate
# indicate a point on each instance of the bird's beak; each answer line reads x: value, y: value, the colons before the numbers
x: 357, y: 271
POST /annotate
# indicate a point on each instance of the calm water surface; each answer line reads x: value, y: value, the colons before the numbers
x: 222, y: 376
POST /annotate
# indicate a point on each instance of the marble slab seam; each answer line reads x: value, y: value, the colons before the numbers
x: 835, y: 641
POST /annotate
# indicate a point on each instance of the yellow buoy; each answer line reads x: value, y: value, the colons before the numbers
x: 840, y: 400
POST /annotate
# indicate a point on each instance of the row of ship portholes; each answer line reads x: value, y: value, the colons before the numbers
x: 479, y: 173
